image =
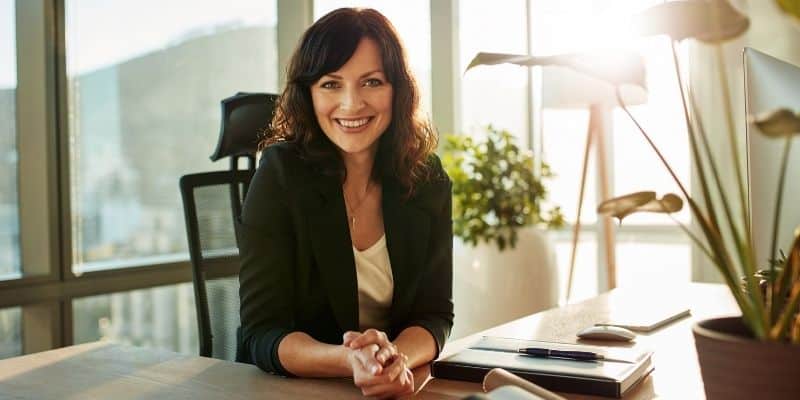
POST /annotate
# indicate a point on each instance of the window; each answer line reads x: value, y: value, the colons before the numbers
x: 162, y: 317
x: 585, y: 25
x: 9, y: 211
x: 412, y: 21
x: 143, y: 108
x: 10, y: 332
x: 495, y: 95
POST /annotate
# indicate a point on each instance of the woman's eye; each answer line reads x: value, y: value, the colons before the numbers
x: 329, y: 85
x: 373, y: 82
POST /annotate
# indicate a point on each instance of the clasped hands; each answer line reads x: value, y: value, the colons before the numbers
x: 379, y: 369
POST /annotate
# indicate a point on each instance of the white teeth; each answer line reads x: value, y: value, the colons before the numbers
x: 352, y: 123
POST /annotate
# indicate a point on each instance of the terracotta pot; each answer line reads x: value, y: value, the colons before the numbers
x: 736, y: 366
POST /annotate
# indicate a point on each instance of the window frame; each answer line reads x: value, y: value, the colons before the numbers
x: 46, y: 292
x: 48, y: 286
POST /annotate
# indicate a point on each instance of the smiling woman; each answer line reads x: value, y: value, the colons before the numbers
x: 346, y: 231
x: 354, y: 107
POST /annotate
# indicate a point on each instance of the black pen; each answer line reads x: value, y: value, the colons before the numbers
x: 571, y: 355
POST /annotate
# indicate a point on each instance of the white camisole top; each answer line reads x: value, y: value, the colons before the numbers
x: 375, y: 285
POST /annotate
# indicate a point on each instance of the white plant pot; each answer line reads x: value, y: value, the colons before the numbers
x: 491, y: 287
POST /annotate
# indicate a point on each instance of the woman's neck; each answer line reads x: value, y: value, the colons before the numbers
x: 359, y: 171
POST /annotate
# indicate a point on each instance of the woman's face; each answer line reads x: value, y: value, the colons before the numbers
x: 354, y: 104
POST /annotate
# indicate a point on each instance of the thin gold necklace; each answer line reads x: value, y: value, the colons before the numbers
x: 352, y: 210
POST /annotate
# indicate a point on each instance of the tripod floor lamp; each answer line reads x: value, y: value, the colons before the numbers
x: 586, y: 80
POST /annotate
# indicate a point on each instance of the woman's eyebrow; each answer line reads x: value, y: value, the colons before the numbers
x: 362, y: 76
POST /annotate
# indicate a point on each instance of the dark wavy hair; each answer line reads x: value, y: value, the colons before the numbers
x: 409, y: 140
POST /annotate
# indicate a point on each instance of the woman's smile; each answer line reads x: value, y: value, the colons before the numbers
x: 353, y: 125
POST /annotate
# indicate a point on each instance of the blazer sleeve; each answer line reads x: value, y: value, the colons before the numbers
x: 433, y: 305
x: 266, y: 279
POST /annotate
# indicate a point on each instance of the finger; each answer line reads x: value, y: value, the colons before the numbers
x: 368, y: 337
x: 366, y: 355
x: 349, y: 336
x: 410, y: 379
x: 386, y: 353
x: 390, y: 373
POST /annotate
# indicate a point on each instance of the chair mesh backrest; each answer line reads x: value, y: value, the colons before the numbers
x: 223, y: 312
x: 217, y: 238
x: 208, y: 200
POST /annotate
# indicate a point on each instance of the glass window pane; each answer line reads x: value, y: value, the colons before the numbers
x: 643, y: 264
x: 584, y: 278
x: 144, y: 109
x: 493, y: 95
x: 663, y: 119
x: 9, y: 213
x: 411, y: 19
x: 567, y: 26
x: 564, y: 142
x: 10, y: 332
x: 162, y: 317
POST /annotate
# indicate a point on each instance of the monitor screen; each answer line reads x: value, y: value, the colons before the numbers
x: 771, y: 84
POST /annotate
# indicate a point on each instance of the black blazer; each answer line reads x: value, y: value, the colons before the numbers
x: 297, y: 266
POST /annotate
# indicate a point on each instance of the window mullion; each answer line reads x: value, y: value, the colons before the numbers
x: 38, y: 169
x: 445, y: 84
x: 294, y: 16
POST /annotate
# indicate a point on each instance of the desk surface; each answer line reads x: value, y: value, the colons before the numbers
x: 106, y: 370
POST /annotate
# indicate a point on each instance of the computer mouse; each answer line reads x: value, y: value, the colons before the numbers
x: 607, y: 333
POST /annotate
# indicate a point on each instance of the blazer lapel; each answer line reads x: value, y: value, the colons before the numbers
x: 333, y: 250
x: 407, y: 233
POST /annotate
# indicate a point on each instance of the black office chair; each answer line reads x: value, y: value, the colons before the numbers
x: 211, y: 203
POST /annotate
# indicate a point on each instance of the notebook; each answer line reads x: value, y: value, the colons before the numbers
x: 604, y: 378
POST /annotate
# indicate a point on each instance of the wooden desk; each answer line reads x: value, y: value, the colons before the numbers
x: 105, y: 370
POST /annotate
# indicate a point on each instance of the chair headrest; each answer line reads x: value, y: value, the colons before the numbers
x: 244, y: 117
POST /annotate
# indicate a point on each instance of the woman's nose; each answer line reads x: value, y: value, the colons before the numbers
x: 351, y: 100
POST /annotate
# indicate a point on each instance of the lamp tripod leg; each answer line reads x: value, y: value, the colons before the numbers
x: 577, y: 227
x: 609, y: 241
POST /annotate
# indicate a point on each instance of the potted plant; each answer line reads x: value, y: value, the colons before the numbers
x: 504, y: 265
x: 756, y: 355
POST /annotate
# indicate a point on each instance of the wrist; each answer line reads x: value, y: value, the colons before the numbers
x: 345, y: 354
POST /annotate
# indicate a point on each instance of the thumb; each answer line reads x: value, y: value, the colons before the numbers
x: 349, y: 336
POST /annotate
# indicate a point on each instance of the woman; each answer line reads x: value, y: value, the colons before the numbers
x: 346, y: 231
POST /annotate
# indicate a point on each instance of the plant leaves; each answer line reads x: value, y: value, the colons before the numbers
x: 669, y: 203
x: 778, y: 123
x: 710, y: 21
x: 788, y: 303
x: 622, y: 206
x: 791, y: 7
x: 495, y: 191
x: 615, y: 67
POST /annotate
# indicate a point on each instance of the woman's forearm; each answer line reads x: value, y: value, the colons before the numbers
x: 304, y: 356
x: 417, y: 344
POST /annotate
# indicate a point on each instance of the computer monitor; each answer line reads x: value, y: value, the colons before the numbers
x: 770, y: 84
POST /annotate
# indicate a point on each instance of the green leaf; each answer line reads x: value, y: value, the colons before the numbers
x: 778, y: 123
x: 495, y: 191
x: 710, y: 21
x: 615, y: 67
